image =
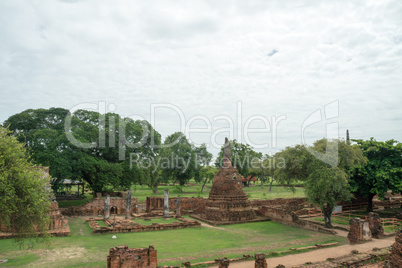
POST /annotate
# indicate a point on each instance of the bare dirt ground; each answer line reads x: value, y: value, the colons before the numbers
x: 58, y: 255
x: 319, y: 254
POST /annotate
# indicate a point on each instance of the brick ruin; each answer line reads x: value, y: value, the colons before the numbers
x: 124, y: 257
x: 227, y: 202
x: 97, y: 207
x: 187, y: 204
x: 120, y: 225
x: 377, y: 231
x: 396, y: 251
x: 260, y: 261
x: 58, y: 225
x: 364, y: 230
x: 359, y: 231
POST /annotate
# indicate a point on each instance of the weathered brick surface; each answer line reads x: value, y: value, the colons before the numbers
x: 377, y: 231
x: 286, y: 216
x: 127, y: 226
x: 260, y: 261
x: 187, y: 204
x: 227, y: 202
x: 124, y: 257
x: 97, y: 206
x: 58, y: 225
x: 223, y: 263
x: 396, y: 251
x: 359, y: 231
x: 278, y: 202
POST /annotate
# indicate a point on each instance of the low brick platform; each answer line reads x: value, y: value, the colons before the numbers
x: 128, y: 226
x: 215, y: 223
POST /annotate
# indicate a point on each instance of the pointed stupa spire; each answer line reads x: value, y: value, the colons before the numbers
x: 227, y: 158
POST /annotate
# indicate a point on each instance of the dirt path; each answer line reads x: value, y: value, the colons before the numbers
x: 210, y: 226
x: 319, y: 254
x: 341, y: 233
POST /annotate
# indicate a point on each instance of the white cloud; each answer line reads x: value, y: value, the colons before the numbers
x: 204, y: 56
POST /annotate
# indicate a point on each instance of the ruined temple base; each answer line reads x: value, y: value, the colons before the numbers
x: 202, y: 217
x: 62, y: 231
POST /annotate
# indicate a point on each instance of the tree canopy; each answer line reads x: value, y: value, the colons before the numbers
x: 325, y: 184
x: 25, y: 204
x: 178, y: 158
x: 381, y: 173
x: 86, y: 145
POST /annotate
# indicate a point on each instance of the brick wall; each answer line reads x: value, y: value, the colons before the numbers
x: 396, y: 251
x: 288, y: 217
x: 277, y: 202
x: 97, y: 206
x: 188, y: 204
x: 58, y: 225
x: 359, y: 231
x: 124, y: 257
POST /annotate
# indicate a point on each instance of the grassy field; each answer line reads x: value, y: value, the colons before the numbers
x: 84, y: 249
x: 194, y: 190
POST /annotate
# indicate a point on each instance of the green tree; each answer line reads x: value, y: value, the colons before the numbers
x: 207, y: 173
x: 242, y: 155
x: 381, y: 173
x: 203, y: 158
x: 178, y: 161
x: 325, y: 183
x: 56, y: 139
x: 25, y: 204
x: 264, y: 169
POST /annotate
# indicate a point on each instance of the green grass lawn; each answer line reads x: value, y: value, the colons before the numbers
x: 84, y: 249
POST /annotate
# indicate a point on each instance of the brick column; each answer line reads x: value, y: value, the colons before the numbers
x: 260, y: 261
x: 223, y: 262
x: 178, y: 207
x: 396, y: 251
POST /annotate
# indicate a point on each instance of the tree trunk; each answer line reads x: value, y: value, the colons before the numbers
x: 327, y: 211
x: 262, y: 184
x: 370, y: 202
x: 205, y: 182
x: 270, y: 185
x: 156, y: 189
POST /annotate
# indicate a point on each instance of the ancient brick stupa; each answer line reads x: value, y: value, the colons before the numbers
x: 227, y: 202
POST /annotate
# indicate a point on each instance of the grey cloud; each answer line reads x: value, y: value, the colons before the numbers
x: 204, y: 56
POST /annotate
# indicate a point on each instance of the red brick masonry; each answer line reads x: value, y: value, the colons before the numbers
x: 127, y: 226
x: 97, y: 206
x: 124, y: 257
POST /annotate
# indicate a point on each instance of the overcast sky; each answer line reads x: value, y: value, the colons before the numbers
x: 258, y: 61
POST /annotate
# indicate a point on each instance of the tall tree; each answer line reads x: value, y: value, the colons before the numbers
x: 381, y: 173
x: 178, y: 161
x: 86, y: 145
x: 325, y: 184
x: 25, y: 204
x: 206, y: 173
x: 203, y: 158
